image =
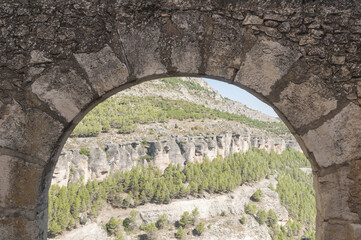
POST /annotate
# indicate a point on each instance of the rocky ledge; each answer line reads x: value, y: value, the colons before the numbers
x: 98, y: 160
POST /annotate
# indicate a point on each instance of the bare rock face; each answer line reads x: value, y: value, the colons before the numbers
x: 171, y: 150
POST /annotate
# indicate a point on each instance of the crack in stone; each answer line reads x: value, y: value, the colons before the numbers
x: 81, y: 71
x: 124, y: 55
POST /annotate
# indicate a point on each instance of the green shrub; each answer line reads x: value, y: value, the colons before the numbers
x: 84, y: 152
x: 185, y: 219
x: 272, y: 218
x: 257, y: 195
x: 242, y: 220
x: 200, y: 229
x: 112, y: 226
x: 250, y: 209
x: 180, y: 233
x: 162, y: 221
x: 261, y: 217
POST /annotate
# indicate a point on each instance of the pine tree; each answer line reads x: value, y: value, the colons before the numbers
x: 162, y: 221
x: 112, y: 226
x: 195, y: 216
x: 200, y: 228
x: 186, y: 219
x: 272, y: 219
x: 180, y: 233
x: 143, y: 198
x: 261, y: 217
x: 151, y: 230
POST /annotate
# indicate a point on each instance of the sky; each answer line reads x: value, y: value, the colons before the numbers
x: 238, y: 94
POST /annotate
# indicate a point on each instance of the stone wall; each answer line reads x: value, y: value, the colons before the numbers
x: 60, y: 59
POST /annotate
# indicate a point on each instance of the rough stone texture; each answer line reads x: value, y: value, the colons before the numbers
x: 141, y: 47
x: 266, y: 63
x: 30, y: 131
x: 317, y: 102
x: 336, y: 140
x: 124, y: 42
x: 20, y: 183
x: 105, y: 71
x: 58, y: 88
x: 18, y: 227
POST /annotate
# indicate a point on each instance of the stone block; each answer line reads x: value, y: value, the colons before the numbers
x: 29, y: 131
x: 142, y: 48
x: 332, y: 195
x: 104, y: 69
x: 336, y: 141
x: 335, y: 231
x: 64, y: 90
x: 313, y: 105
x: 252, y: 20
x: 265, y: 64
x: 355, y: 231
x: 186, y: 51
x: 18, y: 227
x: 227, y: 48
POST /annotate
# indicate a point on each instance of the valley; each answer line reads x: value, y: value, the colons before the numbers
x: 142, y: 153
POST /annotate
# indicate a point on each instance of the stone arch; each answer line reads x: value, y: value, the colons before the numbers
x: 60, y: 60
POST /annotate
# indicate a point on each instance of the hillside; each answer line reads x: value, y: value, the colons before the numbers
x: 203, y: 165
x: 220, y: 187
x: 185, y: 123
x: 172, y: 99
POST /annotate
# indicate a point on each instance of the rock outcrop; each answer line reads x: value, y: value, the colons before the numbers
x: 106, y: 157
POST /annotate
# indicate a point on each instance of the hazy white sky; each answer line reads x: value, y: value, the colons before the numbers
x: 238, y: 94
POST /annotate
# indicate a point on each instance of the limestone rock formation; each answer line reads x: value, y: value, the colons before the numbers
x: 110, y: 156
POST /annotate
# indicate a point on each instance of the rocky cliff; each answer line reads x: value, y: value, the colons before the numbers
x: 173, y: 141
x: 104, y: 157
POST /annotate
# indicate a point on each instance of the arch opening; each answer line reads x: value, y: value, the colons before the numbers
x: 132, y: 147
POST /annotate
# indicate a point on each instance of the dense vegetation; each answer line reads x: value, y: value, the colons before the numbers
x: 149, y: 184
x: 126, y: 112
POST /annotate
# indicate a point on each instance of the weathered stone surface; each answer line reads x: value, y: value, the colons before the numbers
x: 18, y: 227
x: 317, y: 102
x: 252, y: 20
x: 144, y: 45
x: 104, y: 69
x: 37, y: 57
x: 335, y: 231
x: 266, y: 63
x: 226, y: 48
x: 19, y: 183
x: 275, y: 17
x: 339, y: 60
x: 29, y: 131
x: 284, y: 27
x: 141, y: 48
x: 336, y: 140
x: 186, y: 51
x: 64, y: 90
x: 332, y: 196
x: 355, y: 231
